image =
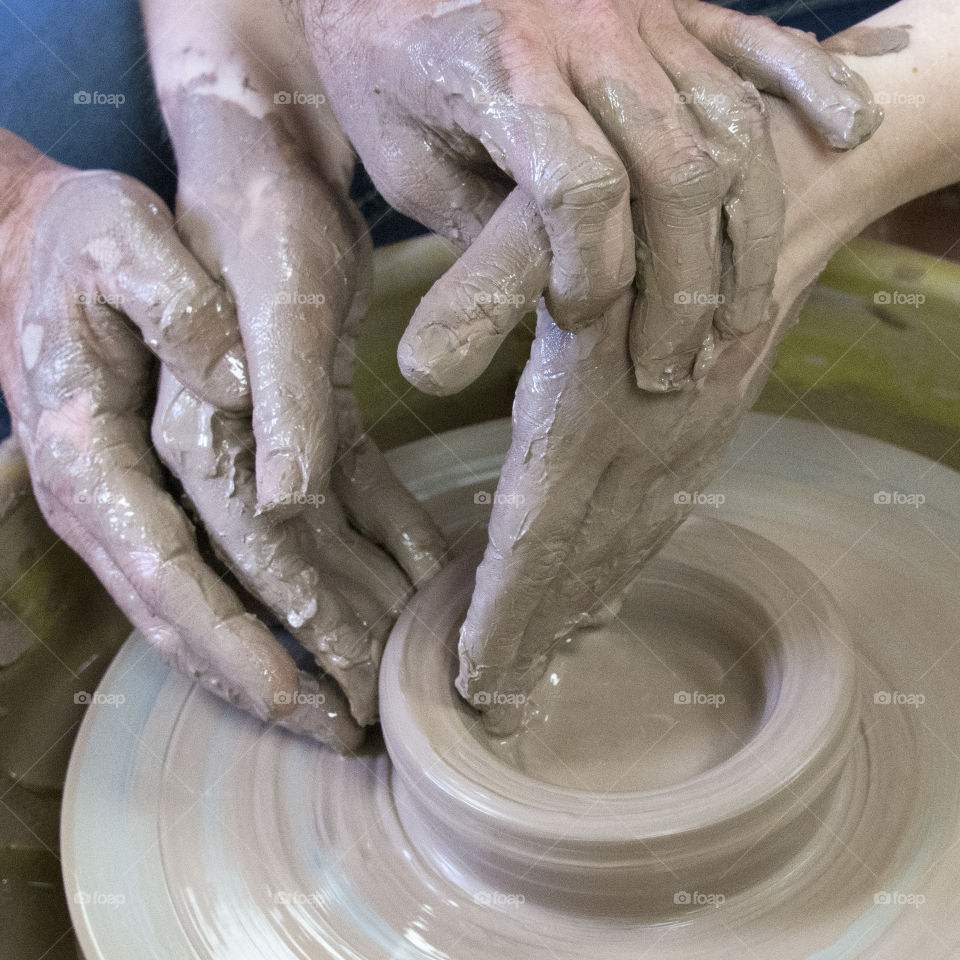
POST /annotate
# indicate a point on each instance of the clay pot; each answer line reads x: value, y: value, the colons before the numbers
x: 753, y: 729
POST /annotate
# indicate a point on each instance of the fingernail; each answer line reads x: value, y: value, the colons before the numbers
x: 665, y: 374
x: 427, y: 357
x: 227, y: 383
x: 281, y: 487
x: 854, y: 116
x: 503, y: 718
x: 264, y: 671
x: 360, y: 683
x: 321, y: 713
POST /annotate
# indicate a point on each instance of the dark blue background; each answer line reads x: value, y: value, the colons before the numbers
x: 51, y: 49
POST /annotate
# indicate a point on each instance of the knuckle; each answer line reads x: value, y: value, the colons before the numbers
x: 686, y: 171
x: 742, y: 30
x: 597, y: 182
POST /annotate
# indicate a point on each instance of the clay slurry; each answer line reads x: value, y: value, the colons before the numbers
x: 659, y: 695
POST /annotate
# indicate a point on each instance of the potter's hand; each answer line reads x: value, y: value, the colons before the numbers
x: 87, y: 258
x: 635, y: 128
x: 336, y: 591
x: 268, y: 219
x: 599, y: 473
x: 264, y: 174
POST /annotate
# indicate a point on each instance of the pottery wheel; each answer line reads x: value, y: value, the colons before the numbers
x: 190, y: 831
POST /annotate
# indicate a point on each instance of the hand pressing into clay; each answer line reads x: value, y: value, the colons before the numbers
x: 264, y: 175
x: 599, y: 473
x: 91, y: 268
x: 334, y: 589
x: 634, y: 127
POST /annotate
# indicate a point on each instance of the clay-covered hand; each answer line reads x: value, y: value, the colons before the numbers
x: 599, y: 472
x: 634, y: 127
x: 332, y: 587
x: 91, y: 268
x: 264, y: 175
x: 275, y: 225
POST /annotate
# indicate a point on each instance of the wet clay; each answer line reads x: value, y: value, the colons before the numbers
x: 585, y: 728
x: 866, y: 41
x: 847, y: 849
x: 598, y: 476
x: 630, y: 819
